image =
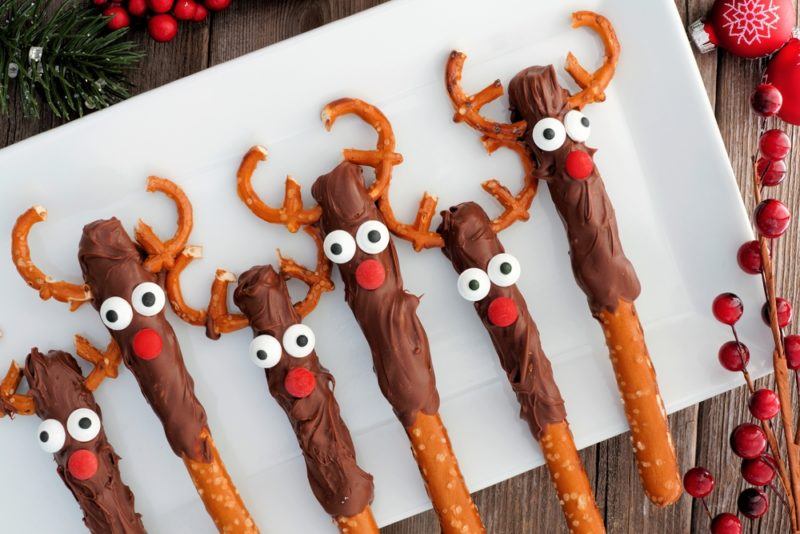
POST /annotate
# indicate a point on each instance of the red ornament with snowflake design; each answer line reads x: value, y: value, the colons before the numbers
x: 783, y: 72
x: 745, y: 28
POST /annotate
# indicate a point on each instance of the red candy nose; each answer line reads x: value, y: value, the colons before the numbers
x: 300, y: 382
x: 502, y: 312
x: 82, y: 464
x: 579, y: 165
x: 370, y: 274
x: 147, y: 344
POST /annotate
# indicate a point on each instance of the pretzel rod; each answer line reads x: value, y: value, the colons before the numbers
x: 361, y: 523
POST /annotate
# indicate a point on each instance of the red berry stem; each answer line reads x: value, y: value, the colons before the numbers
x: 771, y: 487
x: 745, y: 372
x: 708, y: 512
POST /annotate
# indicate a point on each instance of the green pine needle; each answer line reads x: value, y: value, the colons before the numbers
x: 83, y: 65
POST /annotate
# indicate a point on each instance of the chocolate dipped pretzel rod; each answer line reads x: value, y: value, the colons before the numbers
x: 549, y: 123
x: 72, y: 431
x: 130, y: 300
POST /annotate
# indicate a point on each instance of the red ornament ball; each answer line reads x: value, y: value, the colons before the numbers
x: 759, y: 471
x: 184, y: 9
x: 791, y: 347
x: 162, y: 28
x: 753, y: 503
x: 726, y: 524
x: 766, y: 100
x: 774, y: 144
x: 749, y: 257
x: 698, y: 482
x: 300, y: 382
x: 748, y: 441
x: 727, y: 308
x: 137, y: 8
x: 119, y: 18
x: 200, y: 13
x: 502, y: 312
x: 160, y: 6
x: 217, y: 5
x: 784, y: 308
x: 770, y: 172
x: 783, y: 72
x: 764, y: 404
x: 772, y: 218
x: 734, y: 356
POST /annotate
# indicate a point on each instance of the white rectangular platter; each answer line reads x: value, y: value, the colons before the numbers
x: 660, y: 154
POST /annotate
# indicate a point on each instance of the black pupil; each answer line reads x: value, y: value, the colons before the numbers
x: 261, y: 355
x: 505, y: 267
x: 374, y: 236
x: 548, y: 133
x: 474, y: 285
x: 148, y: 299
x: 112, y: 316
x: 44, y: 436
x: 85, y: 423
x: 302, y: 341
x: 585, y: 121
x: 336, y: 249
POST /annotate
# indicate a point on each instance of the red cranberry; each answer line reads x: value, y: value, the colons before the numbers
x: 791, y: 346
x: 764, y: 404
x: 162, y: 28
x: 119, y: 18
x: 726, y: 524
x: 772, y: 218
x: 748, y: 441
x: 200, y: 13
x: 734, y: 357
x: 217, y: 5
x: 766, y: 100
x: 749, y: 257
x: 160, y: 6
x: 753, y: 503
x: 784, y: 312
x: 698, y: 482
x: 727, y: 308
x: 774, y: 144
x: 184, y: 9
x: 759, y: 471
x: 137, y: 8
x: 771, y: 173
x: 99, y: 2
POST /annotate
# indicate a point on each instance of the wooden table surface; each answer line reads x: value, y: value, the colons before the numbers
x: 526, y: 504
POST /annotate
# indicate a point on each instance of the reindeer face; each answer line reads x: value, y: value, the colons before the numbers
x: 488, y: 287
x: 371, y: 238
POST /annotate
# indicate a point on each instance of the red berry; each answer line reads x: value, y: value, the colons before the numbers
x: 137, y: 8
x: 791, y: 346
x: 119, y: 18
x: 749, y: 257
x: 727, y: 308
x: 200, y: 13
x: 764, y: 404
x: 753, y: 503
x: 698, y: 482
x: 299, y: 382
x: 99, y: 2
x: 748, y: 441
x: 766, y: 100
x: 162, y: 28
x: 772, y: 218
x: 734, y: 357
x: 726, y: 524
x: 759, y: 471
x: 160, y: 6
x: 770, y: 172
x: 217, y: 5
x: 784, y: 312
x: 774, y: 144
x: 184, y: 9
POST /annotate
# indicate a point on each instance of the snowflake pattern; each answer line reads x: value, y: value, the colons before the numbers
x: 750, y: 21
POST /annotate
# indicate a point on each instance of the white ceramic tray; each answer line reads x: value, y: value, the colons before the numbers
x: 660, y: 154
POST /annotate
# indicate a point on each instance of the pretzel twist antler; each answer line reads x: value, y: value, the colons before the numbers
x: 106, y: 363
x: 11, y: 402
x: 72, y: 294
x: 468, y: 108
x: 291, y: 214
x: 593, y: 85
x: 318, y: 280
x: 516, y: 207
x: 162, y: 254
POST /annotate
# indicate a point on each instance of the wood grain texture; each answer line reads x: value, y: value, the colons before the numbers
x: 527, y: 504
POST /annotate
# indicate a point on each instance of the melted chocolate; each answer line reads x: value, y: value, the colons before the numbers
x: 598, y: 261
x: 469, y: 241
x: 387, y: 315
x: 57, y: 387
x: 341, y: 487
x: 112, y: 267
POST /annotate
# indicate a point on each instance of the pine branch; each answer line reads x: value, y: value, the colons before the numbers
x: 82, y: 65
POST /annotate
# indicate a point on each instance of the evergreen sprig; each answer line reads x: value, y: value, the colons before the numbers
x: 83, y: 65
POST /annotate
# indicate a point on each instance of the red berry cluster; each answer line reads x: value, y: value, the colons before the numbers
x: 162, y: 16
x: 699, y: 483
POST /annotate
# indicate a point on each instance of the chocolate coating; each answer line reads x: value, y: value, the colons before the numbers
x: 340, y: 485
x: 469, y: 241
x: 387, y: 315
x: 57, y: 387
x: 112, y: 267
x: 598, y: 261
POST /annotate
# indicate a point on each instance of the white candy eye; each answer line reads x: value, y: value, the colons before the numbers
x: 265, y: 351
x: 298, y: 341
x: 148, y: 299
x: 340, y: 247
x: 473, y: 284
x: 549, y: 134
x: 116, y: 313
x: 504, y: 270
x: 51, y: 436
x: 372, y: 237
x: 578, y: 126
x: 83, y: 424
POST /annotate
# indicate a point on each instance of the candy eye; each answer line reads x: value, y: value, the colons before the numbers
x: 372, y: 237
x: 473, y: 284
x: 504, y: 270
x: 116, y: 313
x: 298, y: 341
x: 340, y: 247
x: 51, y: 436
x: 265, y: 351
x: 549, y: 134
x: 148, y: 299
x: 578, y: 126
x: 83, y: 424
